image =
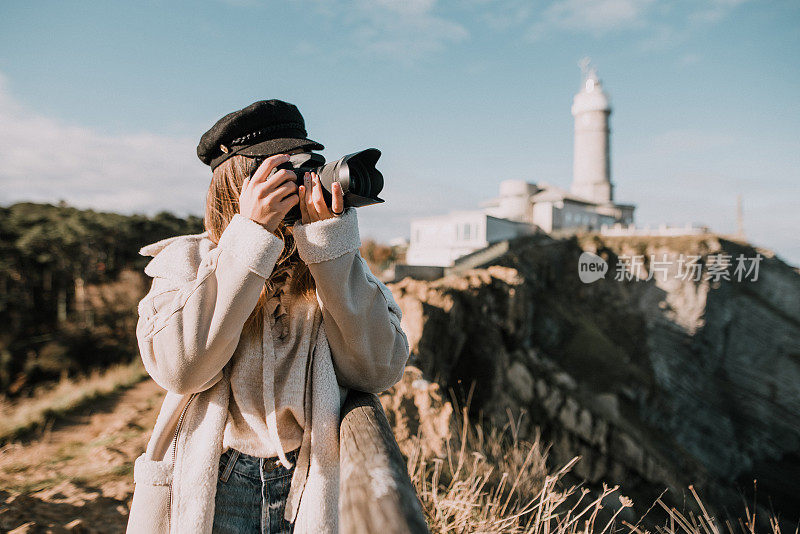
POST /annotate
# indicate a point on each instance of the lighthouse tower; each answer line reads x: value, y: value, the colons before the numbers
x: 591, y: 167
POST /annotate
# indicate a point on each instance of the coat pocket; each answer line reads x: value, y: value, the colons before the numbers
x: 150, y: 507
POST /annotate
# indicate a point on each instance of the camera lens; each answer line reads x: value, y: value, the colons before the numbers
x: 358, y: 184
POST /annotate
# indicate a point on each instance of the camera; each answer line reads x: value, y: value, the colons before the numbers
x: 360, y: 180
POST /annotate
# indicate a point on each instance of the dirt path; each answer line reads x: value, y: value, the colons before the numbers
x: 78, y: 475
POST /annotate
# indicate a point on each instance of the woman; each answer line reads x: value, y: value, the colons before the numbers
x: 256, y: 328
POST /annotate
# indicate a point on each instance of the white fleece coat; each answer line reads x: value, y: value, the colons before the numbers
x: 190, y: 325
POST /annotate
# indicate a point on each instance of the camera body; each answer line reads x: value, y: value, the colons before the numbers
x: 356, y: 173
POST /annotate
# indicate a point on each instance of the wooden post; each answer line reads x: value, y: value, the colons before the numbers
x: 376, y: 494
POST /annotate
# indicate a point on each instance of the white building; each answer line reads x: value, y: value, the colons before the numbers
x: 523, y: 207
x: 442, y: 239
x: 553, y: 209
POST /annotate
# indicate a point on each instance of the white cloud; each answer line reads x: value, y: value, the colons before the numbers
x: 714, y: 10
x: 410, y: 30
x: 596, y: 17
x: 503, y: 15
x: 404, y: 30
x: 46, y: 160
x: 663, y: 23
x: 406, y: 7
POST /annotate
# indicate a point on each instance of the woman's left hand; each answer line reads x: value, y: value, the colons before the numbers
x: 312, y: 204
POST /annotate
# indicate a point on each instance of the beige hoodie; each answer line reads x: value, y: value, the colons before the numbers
x: 189, y: 328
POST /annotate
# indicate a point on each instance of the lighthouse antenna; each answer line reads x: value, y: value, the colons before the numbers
x: 585, y: 65
x: 739, y: 218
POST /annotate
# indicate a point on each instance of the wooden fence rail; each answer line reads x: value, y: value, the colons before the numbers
x: 376, y: 494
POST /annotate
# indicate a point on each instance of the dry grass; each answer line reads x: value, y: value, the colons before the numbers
x: 495, y: 482
x: 703, y: 522
x: 55, y: 401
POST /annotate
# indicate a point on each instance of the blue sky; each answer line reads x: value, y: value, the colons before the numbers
x: 102, y: 103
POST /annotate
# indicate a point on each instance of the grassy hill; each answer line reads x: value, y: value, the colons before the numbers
x: 70, y: 280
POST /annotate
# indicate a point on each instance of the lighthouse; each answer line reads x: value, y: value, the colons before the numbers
x: 441, y: 242
x: 591, y: 166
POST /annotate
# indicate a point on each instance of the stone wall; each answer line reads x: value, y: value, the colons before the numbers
x: 655, y: 384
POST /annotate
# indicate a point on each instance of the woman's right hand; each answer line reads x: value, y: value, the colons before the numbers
x: 268, y: 200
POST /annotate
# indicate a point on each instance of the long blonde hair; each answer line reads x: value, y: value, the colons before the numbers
x: 222, y: 203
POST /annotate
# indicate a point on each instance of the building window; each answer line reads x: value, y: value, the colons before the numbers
x: 466, y: 232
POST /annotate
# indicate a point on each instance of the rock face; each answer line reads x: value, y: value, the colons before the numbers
x: 656, y: 383
x: 415, y: 408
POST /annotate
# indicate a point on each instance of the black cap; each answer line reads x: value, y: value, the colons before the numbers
x: 264, y: 128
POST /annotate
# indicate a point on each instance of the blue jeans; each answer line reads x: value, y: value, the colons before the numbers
x: 251, y: 494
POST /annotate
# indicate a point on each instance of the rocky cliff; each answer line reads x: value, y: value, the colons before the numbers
x: 657, y: 379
